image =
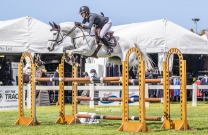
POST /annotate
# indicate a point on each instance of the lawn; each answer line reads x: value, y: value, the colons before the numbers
x: 197, y: 119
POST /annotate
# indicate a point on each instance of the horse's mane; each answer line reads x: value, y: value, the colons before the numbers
x: 71, y: 24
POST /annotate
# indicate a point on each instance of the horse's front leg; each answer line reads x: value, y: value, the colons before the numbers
x: 70, y: 54
x: 72, y: 60
x: 81, y: 51
x: 67, y: 59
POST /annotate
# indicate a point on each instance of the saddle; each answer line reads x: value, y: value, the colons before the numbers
x: 111, y: 39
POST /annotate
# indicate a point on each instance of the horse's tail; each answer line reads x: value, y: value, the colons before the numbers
x: 148, y: 61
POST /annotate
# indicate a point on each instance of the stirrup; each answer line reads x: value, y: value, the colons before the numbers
x: 110, y: 50
x: 108, y: 53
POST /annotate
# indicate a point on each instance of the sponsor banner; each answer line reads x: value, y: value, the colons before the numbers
x: 8, y: 97
x: 12, y: 49
x: 14, y: 65
x: 133, y: 94
x: 110, y: 94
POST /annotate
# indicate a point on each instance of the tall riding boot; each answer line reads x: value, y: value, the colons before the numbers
x: 108, y: 44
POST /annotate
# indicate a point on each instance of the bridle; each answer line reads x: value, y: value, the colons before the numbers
x: 58, y: 29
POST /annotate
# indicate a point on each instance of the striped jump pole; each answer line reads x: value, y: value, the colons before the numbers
x: 79, y: 98
x: 108, y: 117
x: 95, y: 80
x: 135, y: 81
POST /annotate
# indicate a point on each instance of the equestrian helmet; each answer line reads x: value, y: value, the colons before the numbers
x: 84, y: 9
x: 92, y: 71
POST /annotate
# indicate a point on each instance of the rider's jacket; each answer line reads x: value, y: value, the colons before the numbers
x: 96, y: 19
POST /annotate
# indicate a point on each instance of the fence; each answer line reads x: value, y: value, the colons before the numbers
x: 93, y: 88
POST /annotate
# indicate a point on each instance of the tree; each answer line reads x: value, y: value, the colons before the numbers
x: 192, y: 30
x: 202, y: 33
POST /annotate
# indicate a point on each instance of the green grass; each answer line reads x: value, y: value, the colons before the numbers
x: 197, y: 119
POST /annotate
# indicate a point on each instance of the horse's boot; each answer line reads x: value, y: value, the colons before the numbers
x: 108, y: 44
x: 66, y: 57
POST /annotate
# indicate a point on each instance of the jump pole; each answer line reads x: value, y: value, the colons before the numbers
x: 79, y: 98
x: 108, y: 117
x: 95, y: 80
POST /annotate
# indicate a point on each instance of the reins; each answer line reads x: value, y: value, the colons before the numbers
x: 63, y: 37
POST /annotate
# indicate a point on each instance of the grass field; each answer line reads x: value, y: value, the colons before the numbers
x: 197, y: 119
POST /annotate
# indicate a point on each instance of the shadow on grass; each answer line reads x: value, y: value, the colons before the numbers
x: 201, y: 129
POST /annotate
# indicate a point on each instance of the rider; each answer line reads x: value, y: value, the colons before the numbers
x: 104, y: 23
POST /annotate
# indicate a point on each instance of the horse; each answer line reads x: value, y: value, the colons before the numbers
x: 84, y: 43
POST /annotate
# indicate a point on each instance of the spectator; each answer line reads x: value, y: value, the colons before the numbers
x: 149, y: 75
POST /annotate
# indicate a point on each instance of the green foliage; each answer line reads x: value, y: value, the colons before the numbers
x: 202, y: 33
x: 197, y: 119
x: 192, y: 30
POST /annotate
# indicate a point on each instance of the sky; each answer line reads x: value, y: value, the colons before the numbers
x: 120, y: 12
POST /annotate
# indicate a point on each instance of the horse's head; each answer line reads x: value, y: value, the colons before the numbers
x: 55, y: 36
x: 59, y: 32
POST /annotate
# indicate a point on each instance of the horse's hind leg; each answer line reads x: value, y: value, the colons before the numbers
x: 66, y: 57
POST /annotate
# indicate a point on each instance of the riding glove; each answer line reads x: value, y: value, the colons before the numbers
x: 78, y: 24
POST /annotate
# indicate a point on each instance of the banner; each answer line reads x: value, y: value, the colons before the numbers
x: 109, y: 94
x: 8, y: 97
x: 133, y: 94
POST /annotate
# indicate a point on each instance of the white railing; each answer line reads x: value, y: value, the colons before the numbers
x: 93, y: 88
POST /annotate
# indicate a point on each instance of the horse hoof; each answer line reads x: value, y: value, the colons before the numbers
x: 68, y: 62
x: 68, y: 54
x: 67, y: 59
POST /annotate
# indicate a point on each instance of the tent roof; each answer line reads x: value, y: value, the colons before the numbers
x: 25, y: 34
x: 161, y: 35
x: 29, y: 34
